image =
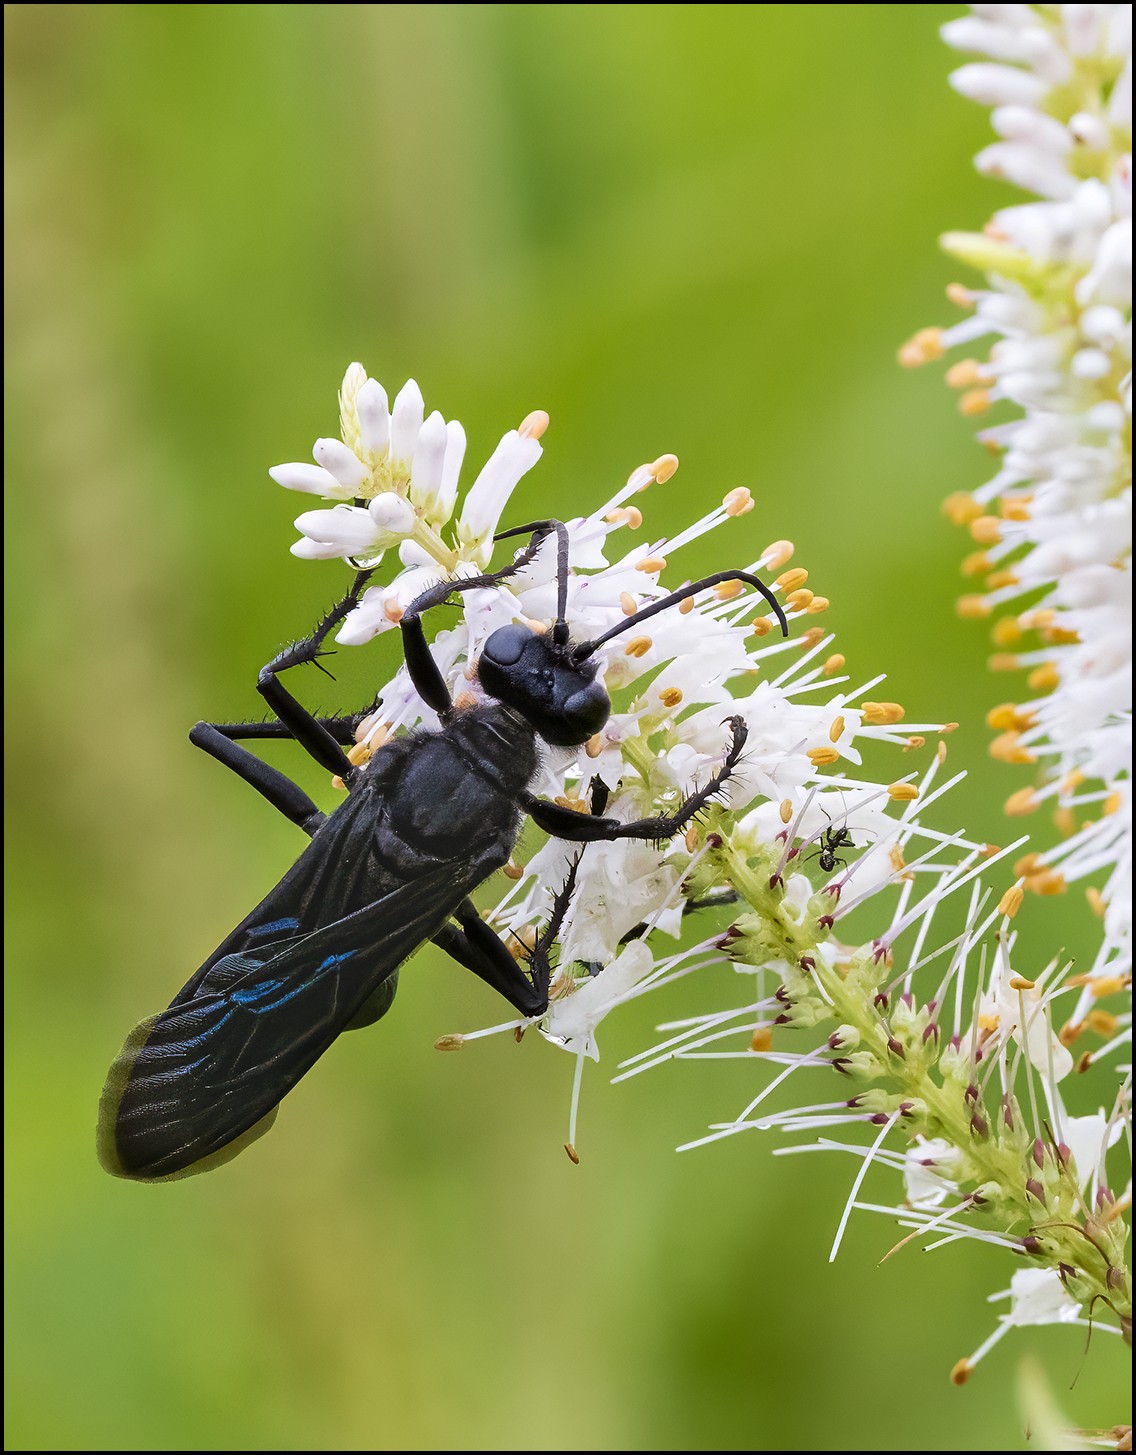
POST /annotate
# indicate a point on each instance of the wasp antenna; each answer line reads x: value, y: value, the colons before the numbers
x: 540, y: 529
x: 585, y: 649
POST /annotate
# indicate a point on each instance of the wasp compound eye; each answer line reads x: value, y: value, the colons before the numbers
x: 589, y: 708
x: 506, y: 644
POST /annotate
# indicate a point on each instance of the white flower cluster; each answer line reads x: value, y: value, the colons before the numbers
x: 400, y: 473
x: 1054, y: 524
x: 801, y: 837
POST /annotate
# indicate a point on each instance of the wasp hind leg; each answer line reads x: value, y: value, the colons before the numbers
x: 342, y: 727
x: 269, y: 782
x: 479, y: 949
x: 219, y: 740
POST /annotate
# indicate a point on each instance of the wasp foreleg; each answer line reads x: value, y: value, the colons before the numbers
x: 308, y: 731
x: 585, y: 828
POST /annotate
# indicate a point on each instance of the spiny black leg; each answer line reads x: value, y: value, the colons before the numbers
x: 307, y: 649
x: 479, y: 949
x: 317, y: 741
x: 342, y: 727
x: 279, y: 790
x: 424, y: 671
x: 539, y: 529
x: 539, y: 965
x: 583, y: 828
x: 306, y: 729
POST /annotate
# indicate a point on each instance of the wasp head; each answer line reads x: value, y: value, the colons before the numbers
x: 538, y: 676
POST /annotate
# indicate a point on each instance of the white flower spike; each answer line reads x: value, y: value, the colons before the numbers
x: 1054, y: 524
x: 951, y: 1047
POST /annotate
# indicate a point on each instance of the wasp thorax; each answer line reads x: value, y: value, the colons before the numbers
x: 535, y: 674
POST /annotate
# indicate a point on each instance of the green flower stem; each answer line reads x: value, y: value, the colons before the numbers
x: 429, y: 539
x: 1024, y: 1186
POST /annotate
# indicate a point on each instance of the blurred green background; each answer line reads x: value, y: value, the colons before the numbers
x: 701, y: 229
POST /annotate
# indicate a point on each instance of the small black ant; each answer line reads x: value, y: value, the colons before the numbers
x: 831, y: 842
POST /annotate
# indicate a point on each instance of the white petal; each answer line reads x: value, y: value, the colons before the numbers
x: 1120, y: 102
x: 979, y: 36
x: 310, y: 479
x: 392, y: 514
x: 429, y: 462
x: 1012, y: 15
x: 1023, y: 123
x: 1028, y: 1021
x: 1103, y: 325
x: 410, y: 553
x: 1083, y: 27
x: 1084, y: 1136
x: 448, y: 490
x: 927, y: 1169
x: 343, y: 463
x: 572, y: 1021
x: 994, y: 85
x: 309, y: 550
x: 1044, y: 54
x: 346, y: 526
x: 366, y: 621
x: 353, y: 379
x: 514, y: 456
x: 1037, y: 1296
x: 374, y: 416
x: 1110, y: 280
x: 406, y: 421
x: 1091, y: 364
x: 1030, y: 44
x: 618, y: 885
x: 455, y: 454
x: 1119, y: 40
x: 1026, y: 166
x: 1090, y: 131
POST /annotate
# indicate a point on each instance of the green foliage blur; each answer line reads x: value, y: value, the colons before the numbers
x: 693, y: 228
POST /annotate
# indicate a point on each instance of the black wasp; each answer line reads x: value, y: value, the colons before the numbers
x: 426, y: 820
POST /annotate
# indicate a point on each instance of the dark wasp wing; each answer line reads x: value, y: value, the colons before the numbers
x: 198, y: 1082
x: 333, y: 877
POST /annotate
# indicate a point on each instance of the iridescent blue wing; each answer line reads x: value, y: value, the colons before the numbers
x: 332, y: 878
x: 198, y: 1082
